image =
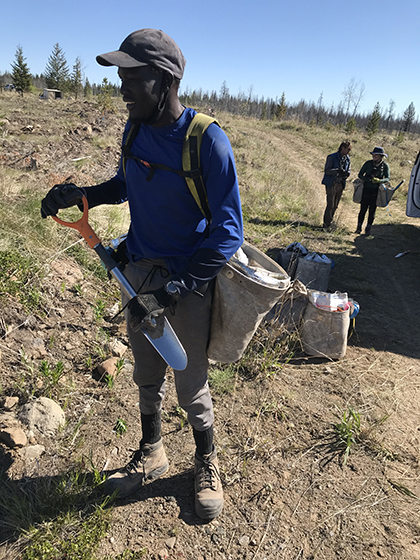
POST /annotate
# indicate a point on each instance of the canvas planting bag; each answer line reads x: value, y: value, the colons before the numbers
x: 385, y: 193
x: 240, y: 302
x: 358, y: 190
x: 325, y: 325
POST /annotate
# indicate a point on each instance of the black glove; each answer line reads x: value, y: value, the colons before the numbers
x: 145, y: 307
x: 61, y: 196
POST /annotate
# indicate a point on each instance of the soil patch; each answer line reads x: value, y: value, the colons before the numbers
x: 287, y: 494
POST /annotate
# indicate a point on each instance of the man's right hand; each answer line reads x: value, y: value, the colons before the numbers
x: 143, y: 308
x: 61, y: 196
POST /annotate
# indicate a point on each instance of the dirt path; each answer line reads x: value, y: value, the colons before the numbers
x: 385, y: 287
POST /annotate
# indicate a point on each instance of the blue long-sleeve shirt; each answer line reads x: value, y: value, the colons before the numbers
x: 166, y: 222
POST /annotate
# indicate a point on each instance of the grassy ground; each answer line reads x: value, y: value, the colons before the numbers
x: 319, y: 458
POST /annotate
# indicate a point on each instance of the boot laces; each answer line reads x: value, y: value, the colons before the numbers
x: 207, y: 475
x: 137, y: 461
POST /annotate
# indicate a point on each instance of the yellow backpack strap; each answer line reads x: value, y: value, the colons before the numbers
x: 191, y: 161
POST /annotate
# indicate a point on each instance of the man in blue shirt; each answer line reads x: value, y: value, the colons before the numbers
x: 337, y: 169
x: 174, y: 253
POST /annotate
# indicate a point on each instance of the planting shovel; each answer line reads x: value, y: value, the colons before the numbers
x: 157, y: 331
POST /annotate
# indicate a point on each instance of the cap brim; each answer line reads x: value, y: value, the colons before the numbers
x: 118, y: 58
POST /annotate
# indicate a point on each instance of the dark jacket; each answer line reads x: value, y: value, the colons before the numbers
x: 334, y: 169
x: 370, y: 171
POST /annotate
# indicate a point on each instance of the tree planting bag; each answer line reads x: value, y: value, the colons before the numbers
x: 325, y: 325
x: 314, y: 272
x: 385, y: 193
x: 358, y: 190
x: 240, y: 302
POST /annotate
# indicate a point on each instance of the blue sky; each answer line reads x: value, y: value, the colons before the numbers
x: 300, y: 47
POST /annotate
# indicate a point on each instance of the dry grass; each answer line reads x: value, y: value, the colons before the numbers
x: 274, y: 408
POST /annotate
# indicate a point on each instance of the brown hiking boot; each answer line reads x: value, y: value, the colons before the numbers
x: 147, y: 464
x: 208, y: 486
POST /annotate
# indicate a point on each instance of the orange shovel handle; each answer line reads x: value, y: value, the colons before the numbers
x: 82, y: 226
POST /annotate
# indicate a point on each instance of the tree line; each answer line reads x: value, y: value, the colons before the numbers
x: 58, y: 75
x: 345, y: 115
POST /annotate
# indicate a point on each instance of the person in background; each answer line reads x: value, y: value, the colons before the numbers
x: 173, y: 252
x: 337, y: 169
x: 373, y: 173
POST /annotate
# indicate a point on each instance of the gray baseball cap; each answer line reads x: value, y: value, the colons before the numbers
x: 147, y: 47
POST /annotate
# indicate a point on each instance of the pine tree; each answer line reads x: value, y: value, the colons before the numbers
x: 56, y: 70
x: 281, y: 108
x: 87, y: 90
x: 76, y: 84
x: 104, y: 101
x: 264, y: 111
x: 21, y: 75
x: 373, y: 123
x: 350, y: 126
x: 408, y: 117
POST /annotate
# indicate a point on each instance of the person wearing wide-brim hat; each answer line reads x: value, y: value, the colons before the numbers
x: 373, y: 173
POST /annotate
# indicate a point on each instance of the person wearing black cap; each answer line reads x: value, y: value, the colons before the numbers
x: 173, y: 252
x: 373, y: 173
x: 336, y: 171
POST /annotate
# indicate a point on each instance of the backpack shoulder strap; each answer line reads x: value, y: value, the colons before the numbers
x: 191, y: 164
x: 126, y: 149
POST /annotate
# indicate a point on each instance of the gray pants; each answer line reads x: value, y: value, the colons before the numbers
x: 191, y: 323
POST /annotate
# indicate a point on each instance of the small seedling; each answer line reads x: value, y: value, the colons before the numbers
x: 119, y: 365
x: 275, y: 408
x: 78, y: 289
x: 27, y: 362
x: 109, y: 380
x: 120, y: 427
x: 346, y: 432
x: 101, y: 352
x: 98, y: 310
x: 181, y: 415
x: 51, y: 374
